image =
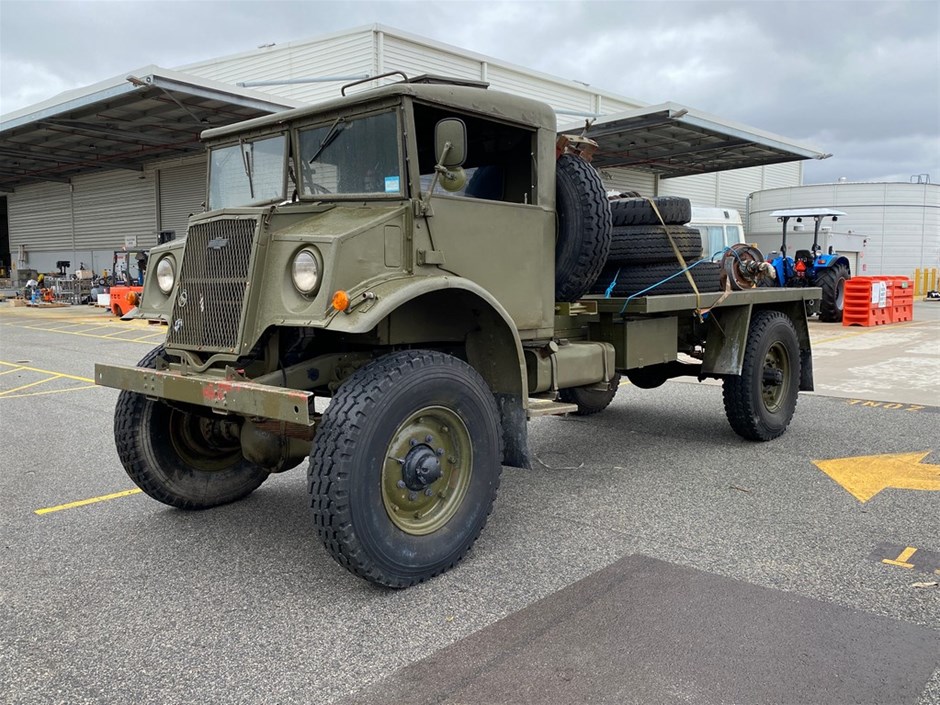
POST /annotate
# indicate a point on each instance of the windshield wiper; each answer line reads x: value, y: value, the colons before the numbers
x: 247, y: 152
x: 338, y: 126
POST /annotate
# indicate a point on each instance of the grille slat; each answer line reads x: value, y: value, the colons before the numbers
x: 213, y: 286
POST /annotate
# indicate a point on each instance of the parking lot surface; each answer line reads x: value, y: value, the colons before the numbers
x: 649, y: 555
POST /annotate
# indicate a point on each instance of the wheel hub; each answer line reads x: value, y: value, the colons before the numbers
x: 421, y: 468
x: 427, y: 470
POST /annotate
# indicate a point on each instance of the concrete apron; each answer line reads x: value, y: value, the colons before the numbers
x: 896, y: 362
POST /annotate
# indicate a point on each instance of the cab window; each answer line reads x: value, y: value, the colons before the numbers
x: 500, y: 157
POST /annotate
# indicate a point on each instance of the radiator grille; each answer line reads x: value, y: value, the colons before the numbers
x: 213, y: 285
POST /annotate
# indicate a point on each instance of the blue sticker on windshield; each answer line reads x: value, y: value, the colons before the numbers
x: 392, y: 184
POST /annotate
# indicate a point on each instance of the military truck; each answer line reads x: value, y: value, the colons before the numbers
x: 416, y: 258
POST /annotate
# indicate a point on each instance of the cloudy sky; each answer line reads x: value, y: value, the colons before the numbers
x: 859, y: 79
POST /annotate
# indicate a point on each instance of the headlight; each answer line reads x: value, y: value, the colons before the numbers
x: 305, y: 272
x: 166, y: 275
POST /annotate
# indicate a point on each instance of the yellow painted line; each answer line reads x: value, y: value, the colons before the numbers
x: 902, y: 559
x: 83, y: 502
x: 72, y: 332
x: 50, y: 391
x: 6, y: 372
x: 25, y: 386
x: 47, y: 372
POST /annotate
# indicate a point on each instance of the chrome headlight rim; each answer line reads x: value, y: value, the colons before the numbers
x: 306, y: 268
x: 166, y: 272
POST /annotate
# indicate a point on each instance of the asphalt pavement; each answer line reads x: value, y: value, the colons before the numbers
x: 650, y: 555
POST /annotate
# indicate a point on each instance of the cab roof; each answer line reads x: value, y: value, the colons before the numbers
x: 469, y: 96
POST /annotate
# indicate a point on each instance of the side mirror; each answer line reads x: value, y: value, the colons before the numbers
x: 450, y: 142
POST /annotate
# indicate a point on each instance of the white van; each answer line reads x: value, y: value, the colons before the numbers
x: 720, y: 228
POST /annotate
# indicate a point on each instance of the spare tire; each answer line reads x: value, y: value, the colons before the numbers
x: 648, y: 244
x: 638, y: 211
x: 631, y: 280
x: 582, y: 238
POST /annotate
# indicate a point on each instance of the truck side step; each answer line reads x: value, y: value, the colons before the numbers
x: 545, y: 406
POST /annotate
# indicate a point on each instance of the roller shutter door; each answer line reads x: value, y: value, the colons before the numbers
x: 112, y: 206
x: 182, y: 191
x: 40, y: 218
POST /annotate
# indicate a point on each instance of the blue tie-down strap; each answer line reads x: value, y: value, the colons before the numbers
x: 613, y: 283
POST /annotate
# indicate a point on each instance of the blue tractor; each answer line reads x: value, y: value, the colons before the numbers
x: 812, y: 267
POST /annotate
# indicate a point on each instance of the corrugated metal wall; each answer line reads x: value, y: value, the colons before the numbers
x: 901, y: 221
x: 730, y: 189
x: 113, y: 205
x: 182, y: 192
x: 40, y: 218
x: 331, y: 56
x: 106, y: 207
x: 625, y: 180
x: 701, y: 189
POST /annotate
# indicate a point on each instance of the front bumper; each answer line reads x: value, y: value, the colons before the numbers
x: 224, y: 396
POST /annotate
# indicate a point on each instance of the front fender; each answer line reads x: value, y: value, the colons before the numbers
x: 428, y: 310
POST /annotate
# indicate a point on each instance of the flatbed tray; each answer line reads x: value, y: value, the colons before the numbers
x: 671, y: 303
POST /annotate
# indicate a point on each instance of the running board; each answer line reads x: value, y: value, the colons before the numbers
x: 549, y: 407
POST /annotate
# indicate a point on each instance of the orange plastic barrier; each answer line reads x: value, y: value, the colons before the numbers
x: 896, y: 306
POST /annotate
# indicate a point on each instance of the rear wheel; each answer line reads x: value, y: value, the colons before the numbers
x: 591, y: 400
x: 760, y: 402
x: 832, y: 281
x: 405, y: 466
x: 181, y: 458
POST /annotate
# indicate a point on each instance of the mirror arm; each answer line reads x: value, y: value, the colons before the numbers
x: 438, y: 170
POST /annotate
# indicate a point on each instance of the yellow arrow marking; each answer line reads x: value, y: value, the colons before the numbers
x: 865, y: 476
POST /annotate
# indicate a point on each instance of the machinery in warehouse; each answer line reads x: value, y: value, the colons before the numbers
x: 813, y: 267
x: 126, y: 280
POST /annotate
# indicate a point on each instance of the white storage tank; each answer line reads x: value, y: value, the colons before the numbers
x: 889, y: 228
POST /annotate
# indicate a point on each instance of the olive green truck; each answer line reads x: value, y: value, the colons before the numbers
x: 391, y: 284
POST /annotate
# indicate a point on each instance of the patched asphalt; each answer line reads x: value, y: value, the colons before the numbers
x: 645, y: 631
x: 714, y: 542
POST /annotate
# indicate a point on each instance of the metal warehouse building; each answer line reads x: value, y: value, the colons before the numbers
x: 111, y: 165
x: 899, y: 223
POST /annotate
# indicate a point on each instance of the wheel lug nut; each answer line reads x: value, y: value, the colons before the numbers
x: 452, y: 459
x: 401, y: 484
x: 412, y: 496
x: 413, y: 442
x: 444, y: 429
x: 428, y: 438
x: 440, y: 451
x: 428, y: 492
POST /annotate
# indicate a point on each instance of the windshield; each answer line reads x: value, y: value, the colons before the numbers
x: 351, y: 156
x: 247, y: 173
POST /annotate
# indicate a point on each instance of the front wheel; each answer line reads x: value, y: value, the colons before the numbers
x: 760, y: 402
x: 181, y: 458
x: 405, y: 466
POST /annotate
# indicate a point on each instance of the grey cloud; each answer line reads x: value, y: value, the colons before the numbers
x: 858, y: 79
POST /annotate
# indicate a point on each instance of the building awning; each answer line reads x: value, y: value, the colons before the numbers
x: 673, y: 140
x: 122, y: 123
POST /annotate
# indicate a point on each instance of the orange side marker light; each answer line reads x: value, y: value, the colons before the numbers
x: 340, y: 300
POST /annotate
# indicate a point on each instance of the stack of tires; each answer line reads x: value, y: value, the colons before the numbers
x: 641, y: 255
